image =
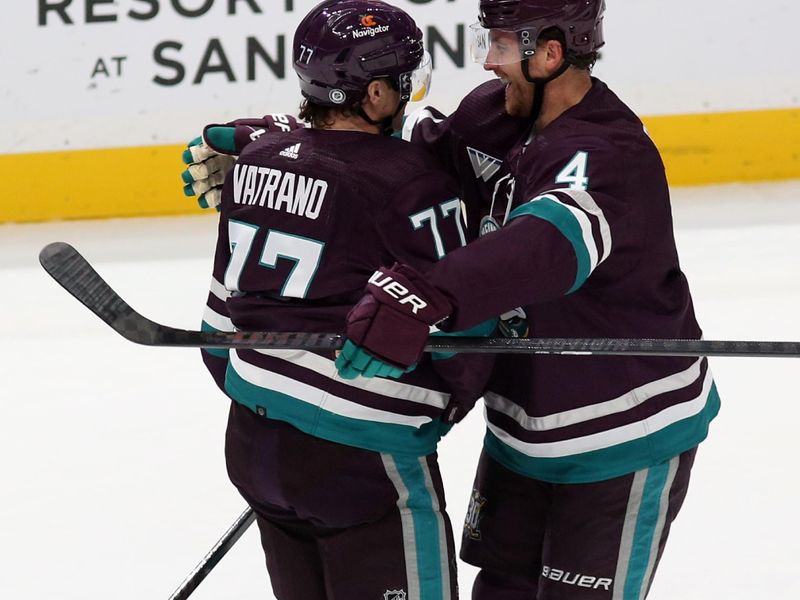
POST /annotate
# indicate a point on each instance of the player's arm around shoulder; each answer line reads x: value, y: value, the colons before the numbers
x: 209, y: 157
x: 568, y: 200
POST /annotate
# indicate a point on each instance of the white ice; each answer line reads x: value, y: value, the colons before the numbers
x: 111, y: 461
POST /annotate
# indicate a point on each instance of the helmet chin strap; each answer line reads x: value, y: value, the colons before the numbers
x: 539, y: 85
x: 386, y: 124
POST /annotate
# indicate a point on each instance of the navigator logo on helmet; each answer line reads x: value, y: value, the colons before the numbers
x: 342, y: 45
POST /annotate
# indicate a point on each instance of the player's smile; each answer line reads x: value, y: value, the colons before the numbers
x: 519, y: 93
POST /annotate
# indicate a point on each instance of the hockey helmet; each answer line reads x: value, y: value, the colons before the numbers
x: 342, y: 45
x: 581, y: 22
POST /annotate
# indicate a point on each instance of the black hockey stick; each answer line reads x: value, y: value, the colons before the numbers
x: 214, y: 555
x: 76, y: 275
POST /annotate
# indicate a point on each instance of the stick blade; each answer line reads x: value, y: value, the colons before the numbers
x: 74, y: 273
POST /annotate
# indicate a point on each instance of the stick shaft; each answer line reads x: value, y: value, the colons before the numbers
x: 210, y: 560
x: 76, y: 275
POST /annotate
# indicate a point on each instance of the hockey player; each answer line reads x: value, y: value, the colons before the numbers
x: 567, y: 433
x: 586, y: 460
x: 342, y: 474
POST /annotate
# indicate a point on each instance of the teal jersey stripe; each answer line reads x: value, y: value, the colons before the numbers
x: 646, y: 524
x: 614, y: 461
x: 429, y: 544
x: 218, y: 352
x: 370, y: 435
x: 560, y: 216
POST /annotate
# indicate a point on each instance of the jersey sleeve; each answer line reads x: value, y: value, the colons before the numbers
x: 422, y: 224
x: 248, y: 130
x: 429, y: 127
x: 570, y: 217
x: 216, y: 316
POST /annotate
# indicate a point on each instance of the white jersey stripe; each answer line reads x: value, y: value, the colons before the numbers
x: 217, y: 321
x: 385, y: 387
x: 587, y: 203
x: 219, y: 290
x: 620, y: 404
x: 309, y: 394
x: 414, y: 118
x: 611, y: 437
x: 586, y: 229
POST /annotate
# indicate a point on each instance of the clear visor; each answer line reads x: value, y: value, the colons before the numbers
x: 420, y: 80
x: 499, y: 46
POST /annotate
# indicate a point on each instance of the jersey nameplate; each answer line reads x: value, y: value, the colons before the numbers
x: 278, y: 190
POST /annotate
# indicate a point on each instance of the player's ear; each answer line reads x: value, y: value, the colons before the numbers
x: 375, y: 92
x: 377, y: 96
x: 555, y: 54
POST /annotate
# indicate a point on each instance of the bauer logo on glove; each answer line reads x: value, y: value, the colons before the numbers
x: 389, y: 326
x: 397, y: 290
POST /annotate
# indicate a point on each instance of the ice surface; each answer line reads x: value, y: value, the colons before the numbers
x: 112, y: 478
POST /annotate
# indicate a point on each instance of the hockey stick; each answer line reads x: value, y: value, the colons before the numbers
x: 214, y: 555
x: 76, y: 275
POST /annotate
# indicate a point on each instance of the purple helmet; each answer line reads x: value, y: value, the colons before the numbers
x: 581, y: 21
x: 342, y: 45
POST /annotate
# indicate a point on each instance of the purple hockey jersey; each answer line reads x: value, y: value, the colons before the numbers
x: 472, y: 144
x: 588, y: 250
x: 306, y: 218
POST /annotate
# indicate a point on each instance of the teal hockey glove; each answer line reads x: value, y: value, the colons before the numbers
x: 354, y: 361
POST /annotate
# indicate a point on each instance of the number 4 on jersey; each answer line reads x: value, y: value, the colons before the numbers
x: 574, y: 173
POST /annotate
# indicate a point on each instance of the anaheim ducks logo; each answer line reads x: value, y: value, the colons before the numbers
x: 368, y: 21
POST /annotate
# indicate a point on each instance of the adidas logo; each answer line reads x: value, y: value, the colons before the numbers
x: 485, y: 166
x: 291, y: 152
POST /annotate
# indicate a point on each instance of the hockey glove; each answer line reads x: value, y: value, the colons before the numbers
x: 209, y: 161
x: 207, y: 167
x: 212, y: 155
x: 354, y: 361
x: 388, y: 328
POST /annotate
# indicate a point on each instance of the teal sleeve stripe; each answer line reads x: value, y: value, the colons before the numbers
x: 559, y: 215
x: 615, y: 461
x: 426, y: 528
x: 218, y: 352
x: 390, y: 438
